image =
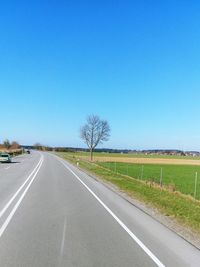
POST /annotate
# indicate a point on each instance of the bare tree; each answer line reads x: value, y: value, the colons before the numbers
x: 94, y: 132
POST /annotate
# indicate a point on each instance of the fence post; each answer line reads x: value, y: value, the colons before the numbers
x: 142, y: 171
x: 195, y: 185
x: 115, y: 166
x: 161, y: 176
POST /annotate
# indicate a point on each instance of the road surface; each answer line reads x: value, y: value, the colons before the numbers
x: 52, y: 214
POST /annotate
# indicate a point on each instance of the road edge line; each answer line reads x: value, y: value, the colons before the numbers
x: 131, y: 234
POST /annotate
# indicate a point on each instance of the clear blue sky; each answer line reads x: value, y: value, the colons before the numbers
x: 134, y: 63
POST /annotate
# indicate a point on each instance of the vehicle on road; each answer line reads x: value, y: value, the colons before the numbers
x: 5, y: 157
x: 28, y: 152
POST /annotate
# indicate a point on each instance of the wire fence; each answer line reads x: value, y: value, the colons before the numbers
x: 182, y: 178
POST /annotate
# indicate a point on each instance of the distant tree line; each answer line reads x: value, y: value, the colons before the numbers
x: 78, y: 149
x: 38, y: 146
x: 41, y: 147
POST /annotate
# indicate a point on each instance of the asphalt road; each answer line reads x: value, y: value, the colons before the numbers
x: 52, y: 214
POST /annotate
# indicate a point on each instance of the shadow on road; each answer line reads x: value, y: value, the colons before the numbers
x: 12, y: 162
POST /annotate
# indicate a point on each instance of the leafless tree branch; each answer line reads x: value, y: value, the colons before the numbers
x: 95, y: 132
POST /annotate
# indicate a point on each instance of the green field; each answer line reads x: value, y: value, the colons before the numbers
x: 179, y: 177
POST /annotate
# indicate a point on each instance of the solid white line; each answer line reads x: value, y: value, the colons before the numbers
x: 10, y: 216
x: 133, y: 236
x: 18, y: 191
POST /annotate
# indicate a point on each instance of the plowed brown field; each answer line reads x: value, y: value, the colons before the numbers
x: 147, y: 160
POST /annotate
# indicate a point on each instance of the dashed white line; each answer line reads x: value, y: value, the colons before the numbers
x: 7, y: 168
x: 63, y: 241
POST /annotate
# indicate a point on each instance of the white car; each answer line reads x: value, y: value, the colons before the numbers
x: 4, y: 157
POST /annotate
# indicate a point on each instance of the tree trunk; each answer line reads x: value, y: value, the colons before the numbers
x: 91, y: 154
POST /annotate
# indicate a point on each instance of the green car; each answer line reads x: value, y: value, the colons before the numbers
x: 4, y: 157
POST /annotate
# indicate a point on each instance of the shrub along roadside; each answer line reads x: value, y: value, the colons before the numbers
x: 13, y: 152
x: 185, y: 210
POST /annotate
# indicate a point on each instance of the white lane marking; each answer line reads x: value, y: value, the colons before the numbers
x: 7, y: 168
x: 18, y: 191
x: 131, y: 234
x: 10, y: 216
x: 63, y: 240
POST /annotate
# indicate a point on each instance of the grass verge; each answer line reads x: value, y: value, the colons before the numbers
x: 179, y: 207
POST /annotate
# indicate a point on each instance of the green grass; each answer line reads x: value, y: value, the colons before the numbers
x: 132, y: 155
x: 185, y: 210
x: 180, y: 177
